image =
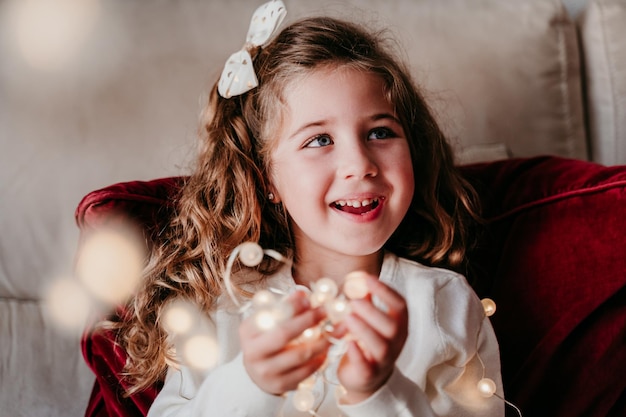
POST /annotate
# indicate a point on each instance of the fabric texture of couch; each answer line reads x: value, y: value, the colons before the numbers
x: 507, y: 79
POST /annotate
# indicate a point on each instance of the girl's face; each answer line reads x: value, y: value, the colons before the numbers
x: 341, y: 164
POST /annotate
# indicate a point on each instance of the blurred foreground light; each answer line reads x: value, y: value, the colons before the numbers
x: 201, y: 352
x: 68, y: 304
x: 179, y: 317
x: 303, y: 399
x: 337, y: 309
x: 110, y: 265
x: 49, y: 34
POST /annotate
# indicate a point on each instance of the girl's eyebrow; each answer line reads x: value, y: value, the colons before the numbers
x: 318, y: 123
x: 381, y: 116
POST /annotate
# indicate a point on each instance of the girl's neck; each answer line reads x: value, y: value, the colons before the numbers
x: 308, y: 269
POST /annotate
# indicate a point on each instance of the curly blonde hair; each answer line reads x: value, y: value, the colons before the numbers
x: 223, y: 203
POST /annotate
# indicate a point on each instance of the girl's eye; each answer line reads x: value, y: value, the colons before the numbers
x: 381, y: 133
x: 319, y: 141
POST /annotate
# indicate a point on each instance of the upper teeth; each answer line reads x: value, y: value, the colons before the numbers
x: 356, y: 203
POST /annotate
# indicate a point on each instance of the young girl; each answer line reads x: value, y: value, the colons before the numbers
x: 328, y: 155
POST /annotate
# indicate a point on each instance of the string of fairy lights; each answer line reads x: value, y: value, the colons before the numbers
x: 109, y: 269
x: 269, y: 307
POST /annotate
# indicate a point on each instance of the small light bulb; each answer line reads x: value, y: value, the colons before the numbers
x: 265, y: 319
x: 201, y: 351
x: 110, y: 265
x: 312, y: 333
x: 250, y: 254
x: 326, y: 287
x: 178, y: 317
x: 303, y: 399
x: 489, y: 305
x: 263, y: 298
x: 486, y: 387
x: 68, y: 304
x: 337, y: 309
x: 355, y: 285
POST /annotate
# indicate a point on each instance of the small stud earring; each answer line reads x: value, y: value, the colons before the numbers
x: 270, y: 196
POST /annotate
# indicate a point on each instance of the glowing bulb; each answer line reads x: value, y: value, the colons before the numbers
x: 178, y: 317
x: 68, y: 304
x: 250, y: 254
x: 486, y: 387
x: 337, y: 309
x: 355, y: 285
x: 201, y: 352
x: 326, y: 287
x: 110, y: 265
x: 303, y: 399
x: 489, y: 305
x: 50, y: 34
x: 312, y: 333
x: 265, y: 319
x: 263, y: 299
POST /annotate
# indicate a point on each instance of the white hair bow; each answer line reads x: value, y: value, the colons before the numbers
x: 238, y: 75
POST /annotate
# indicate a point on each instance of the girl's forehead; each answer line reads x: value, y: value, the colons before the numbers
x: 317, y: 90
x: 304, y: 93
x: 324, y: 80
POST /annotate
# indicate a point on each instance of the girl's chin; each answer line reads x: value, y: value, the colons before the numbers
x: 359, y: 249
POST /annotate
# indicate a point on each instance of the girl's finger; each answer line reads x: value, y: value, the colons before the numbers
x: 384, y: 324
x: 394, y: 303
x: 297, y: 355
x: 269, y: 342
x: 372, y: 344
x: 285, y: 370
x: 297, y: 303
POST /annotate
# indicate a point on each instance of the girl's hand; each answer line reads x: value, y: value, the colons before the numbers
x: 376, y: 339
x: 273, y: 359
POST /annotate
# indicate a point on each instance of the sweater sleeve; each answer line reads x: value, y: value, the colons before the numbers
x: 226, y: 391
x: 467, y: 351
x: 398, y: 397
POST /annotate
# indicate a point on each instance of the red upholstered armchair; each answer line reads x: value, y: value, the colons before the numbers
x: 553, y: 257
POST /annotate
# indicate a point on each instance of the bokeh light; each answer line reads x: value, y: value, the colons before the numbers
x: 68, y: 304
x: 303, y: 399
x: 337, y: 309
x: 179, y: 317
x: 201, y: 352
x: 110, y: 264
x: 49, y: 34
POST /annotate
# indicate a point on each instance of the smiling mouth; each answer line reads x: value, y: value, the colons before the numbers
x: 357, y: 206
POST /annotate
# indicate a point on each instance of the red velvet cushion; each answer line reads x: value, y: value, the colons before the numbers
x: 556, y: 260
x: 106, y: 359
x: 553, y: 257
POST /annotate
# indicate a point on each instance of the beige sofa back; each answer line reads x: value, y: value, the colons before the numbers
x: 603, y: 41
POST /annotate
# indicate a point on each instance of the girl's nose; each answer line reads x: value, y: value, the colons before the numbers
x: 356, y: 161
